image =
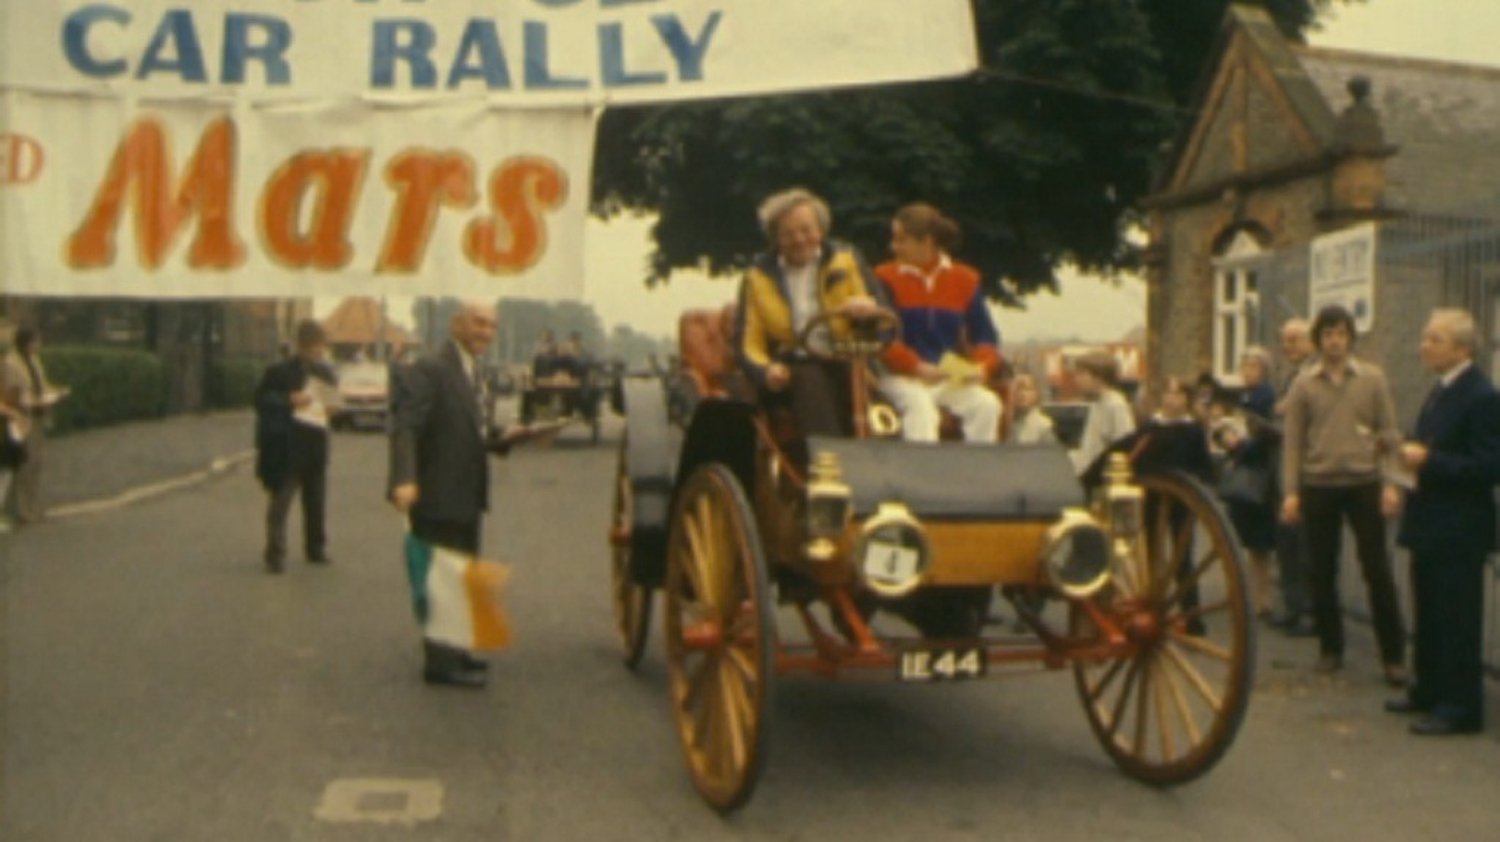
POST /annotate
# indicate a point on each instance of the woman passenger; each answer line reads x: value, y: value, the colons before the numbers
x: 1029, y: 425
x: 803, y: 276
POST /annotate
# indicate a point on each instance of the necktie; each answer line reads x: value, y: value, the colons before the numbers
x: 479, y: 387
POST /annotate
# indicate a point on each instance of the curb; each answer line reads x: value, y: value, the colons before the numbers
x: 218, y: 467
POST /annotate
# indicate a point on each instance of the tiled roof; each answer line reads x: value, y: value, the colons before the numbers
x: 356, y: 321
x: 1444, y: 117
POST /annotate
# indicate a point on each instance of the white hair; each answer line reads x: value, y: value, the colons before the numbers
x: 1260, y: 355
x: 1458, y: 324
x: 777, y: 205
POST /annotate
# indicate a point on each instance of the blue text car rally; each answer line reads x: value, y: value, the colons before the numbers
x: 404, y: 52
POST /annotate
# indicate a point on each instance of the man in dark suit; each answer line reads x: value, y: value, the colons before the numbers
x: 1449, y: 526
x: 291, y: 442
x: 439, y: 475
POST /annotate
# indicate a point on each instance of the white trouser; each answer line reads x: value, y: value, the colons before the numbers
x: 977, y: 407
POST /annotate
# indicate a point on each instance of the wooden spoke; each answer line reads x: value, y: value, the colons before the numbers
x: 1198, y: 644
x: 1194, y: 577
x: 1118, y: 713
x: 1201, y: 611
x: 1159, y: 694
x: 1194, y: 677
x: 1179, y: 701
x: 1142, y: 688
x: 1182, y: 543
x: 702, y: 716
x: 698, y: 679
x: 737, y: 714
x: 695, y: 560
x: 1104, y: 681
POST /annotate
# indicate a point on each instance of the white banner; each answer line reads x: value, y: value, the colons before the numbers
x: 268, y: 148
x: 191, y: 202
x: 1341, y: 270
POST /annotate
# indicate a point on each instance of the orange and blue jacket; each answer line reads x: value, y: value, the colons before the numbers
x: 763, y: 320
x: 948, y: 315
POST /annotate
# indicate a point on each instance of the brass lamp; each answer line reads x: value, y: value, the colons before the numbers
x: 830, y: 506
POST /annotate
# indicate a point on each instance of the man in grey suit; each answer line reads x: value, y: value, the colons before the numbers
x: 1449, y: 526
x: 439, y: 473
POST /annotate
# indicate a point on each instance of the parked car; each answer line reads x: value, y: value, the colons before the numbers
x: 365, y: 392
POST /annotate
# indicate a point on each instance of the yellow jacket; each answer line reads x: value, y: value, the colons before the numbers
x: 763, y: 320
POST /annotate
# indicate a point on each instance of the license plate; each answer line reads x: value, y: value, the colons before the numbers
x: 925, y: 665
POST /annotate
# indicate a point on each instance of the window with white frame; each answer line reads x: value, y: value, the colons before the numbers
x: 1236, y: 305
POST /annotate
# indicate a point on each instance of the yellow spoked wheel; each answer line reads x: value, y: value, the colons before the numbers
x: 1167, y: 713
x: 719, y: 636
x: 632, y: 601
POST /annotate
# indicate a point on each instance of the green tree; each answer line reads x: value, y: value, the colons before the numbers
x: 1041, y: 156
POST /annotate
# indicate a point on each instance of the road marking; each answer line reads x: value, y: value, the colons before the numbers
x: 219, y: 466
x: 380, y: 801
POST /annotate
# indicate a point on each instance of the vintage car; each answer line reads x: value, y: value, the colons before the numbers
x: 364, y: 396
x: 885, y: 555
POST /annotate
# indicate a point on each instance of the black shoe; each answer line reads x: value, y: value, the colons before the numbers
x: 1404, y: 704
x: 318, y: 558
x: 469, y: 679
x: 1440, y: 726
x: 469, y: 663
x: 445, y: 665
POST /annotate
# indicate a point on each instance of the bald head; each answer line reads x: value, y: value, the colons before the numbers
x: 473, y: 326
x: 1296, y: 341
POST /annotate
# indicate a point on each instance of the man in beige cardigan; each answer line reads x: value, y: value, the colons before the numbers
x: 1340, y: 428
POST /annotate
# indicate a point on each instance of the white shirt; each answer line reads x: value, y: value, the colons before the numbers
x: 1110, y: 420
x: 466, y: 360
x: 929, y: 279
x: 1453, y: 373
x: 802, y: 295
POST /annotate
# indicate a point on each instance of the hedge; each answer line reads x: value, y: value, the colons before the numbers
x: 232, y: 383
x: 109, y: 385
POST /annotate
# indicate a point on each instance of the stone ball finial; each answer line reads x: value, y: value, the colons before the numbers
x: 1358, y: 126
x: 1359, y: 88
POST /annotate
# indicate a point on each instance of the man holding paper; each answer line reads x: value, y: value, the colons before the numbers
x: 949, y: 346
x: 291, y: 443
x: 1449, y: 526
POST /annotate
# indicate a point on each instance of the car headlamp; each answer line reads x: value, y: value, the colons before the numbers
x: 1075, y: 554
x: 892, y: 553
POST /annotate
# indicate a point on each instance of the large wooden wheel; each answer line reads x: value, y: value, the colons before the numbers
x: 1167, y: 713
x: 719, y: 636
x: 632, y: 601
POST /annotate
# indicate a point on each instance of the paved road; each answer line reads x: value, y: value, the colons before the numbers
x: 159, y: 686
